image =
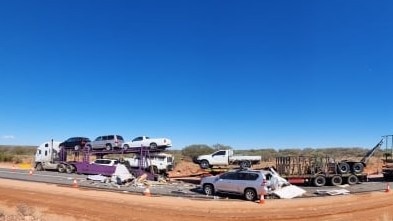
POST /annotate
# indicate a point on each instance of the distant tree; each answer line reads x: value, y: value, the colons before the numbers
x: 221, y: 147
x: 196, y: 150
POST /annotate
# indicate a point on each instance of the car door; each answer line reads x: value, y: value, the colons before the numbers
x: 98, y: 143
x: 225, y: 182
x: 220, y: 158
x: 137, y: 142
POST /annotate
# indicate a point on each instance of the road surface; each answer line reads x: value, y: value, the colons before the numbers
x: 54, y: 202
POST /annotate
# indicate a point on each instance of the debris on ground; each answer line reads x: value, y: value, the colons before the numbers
x: 333, y: 192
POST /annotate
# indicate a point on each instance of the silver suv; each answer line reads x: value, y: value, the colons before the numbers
x: 249, y: 183
x: 108, y: 142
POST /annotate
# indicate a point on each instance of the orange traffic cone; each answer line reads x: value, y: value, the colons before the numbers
x: 387, y: 188
x: 31, y: 172
x: 75, y: 184
x: 262, y: 199
x: 146, y: 192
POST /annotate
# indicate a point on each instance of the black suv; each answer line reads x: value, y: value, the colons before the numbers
x: 75, y: 143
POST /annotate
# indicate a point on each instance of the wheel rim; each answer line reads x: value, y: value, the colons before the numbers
x: 250, y: 195
x: 126, y: 147
x: 153, y: 145
x: 108, y: 147
x: 208, y: 190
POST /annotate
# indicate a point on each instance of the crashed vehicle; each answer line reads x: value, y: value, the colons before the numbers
x: 249, y: 183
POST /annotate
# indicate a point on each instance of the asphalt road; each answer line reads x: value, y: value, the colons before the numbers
x: 175, y: 188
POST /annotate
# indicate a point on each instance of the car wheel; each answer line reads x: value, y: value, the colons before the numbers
x: 250, y: 194
x: 153, y: 146
x: 208, y: 189
x: 125, y: 147
x: 77, y: 147
x: 204, y: 164
x: 245, y: 164
x: 39, y: 167
x: 108, y: 147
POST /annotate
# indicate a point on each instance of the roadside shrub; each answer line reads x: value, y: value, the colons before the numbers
x: 196, y: 150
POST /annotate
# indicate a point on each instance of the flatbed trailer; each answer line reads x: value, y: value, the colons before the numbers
x: 315, y: 170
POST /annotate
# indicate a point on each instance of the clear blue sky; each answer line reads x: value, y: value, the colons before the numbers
x: 249, y: 74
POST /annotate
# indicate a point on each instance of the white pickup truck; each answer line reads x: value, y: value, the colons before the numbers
x: 225, y: 158
x: 153, y: 143
x: 159, y: 163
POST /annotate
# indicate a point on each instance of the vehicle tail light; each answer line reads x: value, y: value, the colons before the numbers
x: 263, y: 182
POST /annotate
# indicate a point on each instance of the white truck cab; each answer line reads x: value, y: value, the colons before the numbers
x: 46, y: 155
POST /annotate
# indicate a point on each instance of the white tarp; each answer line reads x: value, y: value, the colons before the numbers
x: 289, y: 192
x: 121, y: 174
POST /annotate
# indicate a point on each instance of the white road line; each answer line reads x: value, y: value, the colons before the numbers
x: 36, y: 174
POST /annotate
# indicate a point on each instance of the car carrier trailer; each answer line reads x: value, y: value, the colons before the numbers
x: 49, y: 156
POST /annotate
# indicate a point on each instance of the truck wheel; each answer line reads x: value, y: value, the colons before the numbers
x: 204, y: 164
x: 208, y: 189
x: 70, y: 169
x: 352, y: 180
x: 61, y: 168
x: 319, y: 181
x: 77, y: 147
x: 39, y: 167
x: 343, y: 167
x: 108, y: 147
x: 153, y: 146
x: 357, y: 168
x: 245, y: 164
x: 125, y: 147
x: 250, y: 194
x: 336, y: 180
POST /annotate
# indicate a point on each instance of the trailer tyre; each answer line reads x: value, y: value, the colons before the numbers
x: 250, y: 194
x: 336, y: 180
x: 70, y: 169
x: 204, y: 164
x: 319, y: 181
x: 39, y: 167
x: 61, y: 168
x: 357, y: 168
x: 245, y: 164
x: 343, y: 167
x: 352, y: 180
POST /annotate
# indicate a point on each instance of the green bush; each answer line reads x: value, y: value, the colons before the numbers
x: 196, y: 150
